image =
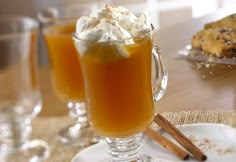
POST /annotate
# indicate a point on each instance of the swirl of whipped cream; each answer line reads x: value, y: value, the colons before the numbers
x: 112, y: 23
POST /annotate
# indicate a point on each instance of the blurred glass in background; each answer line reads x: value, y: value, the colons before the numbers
x: 57, y: 26
x: 20, y: 99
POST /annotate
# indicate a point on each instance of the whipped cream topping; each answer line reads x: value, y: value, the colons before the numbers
x: 112, y: 23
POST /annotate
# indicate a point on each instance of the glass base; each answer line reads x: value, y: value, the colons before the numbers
x: 142, y: 158
x: 78, y: 136
x: 127, y: 150
x: 32, y: 151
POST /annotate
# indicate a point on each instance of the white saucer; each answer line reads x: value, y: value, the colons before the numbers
x: 217, y: 141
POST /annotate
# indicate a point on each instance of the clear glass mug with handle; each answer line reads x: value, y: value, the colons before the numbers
x: 120, y: 88
x: 20, y: 99
x: 58, y: 26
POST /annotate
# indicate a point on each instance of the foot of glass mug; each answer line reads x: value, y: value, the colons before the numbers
x: 32, y: 151
x: 78, y: 136
x: 127, y: 150
x: 142, y: 158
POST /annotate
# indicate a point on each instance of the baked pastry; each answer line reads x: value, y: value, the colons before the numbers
x: 216, y: 41
x: 226, y: 22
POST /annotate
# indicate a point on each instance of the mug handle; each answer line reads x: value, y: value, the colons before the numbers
x: 159, y: 74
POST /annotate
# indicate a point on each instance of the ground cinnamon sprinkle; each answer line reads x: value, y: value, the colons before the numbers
x: 225, y: 150
x: 193, y: 139
x: 206, y: 144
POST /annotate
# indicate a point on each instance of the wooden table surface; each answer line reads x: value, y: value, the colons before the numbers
x: 189, y: 89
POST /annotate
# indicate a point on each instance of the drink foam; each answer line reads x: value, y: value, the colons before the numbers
x: 112, y: 23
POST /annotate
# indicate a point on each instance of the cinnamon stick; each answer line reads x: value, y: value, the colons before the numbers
x: 180, y: 137
x: 164, y: 142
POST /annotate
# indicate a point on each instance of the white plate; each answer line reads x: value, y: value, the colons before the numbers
x: 217, y: 141
x: 194, y: 54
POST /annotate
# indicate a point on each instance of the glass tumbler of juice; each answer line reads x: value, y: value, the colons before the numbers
x: 67, y: 81
x: 119, y: 90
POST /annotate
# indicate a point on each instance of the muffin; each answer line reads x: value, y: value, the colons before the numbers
x: 217, y: 38
x: 226, y: 22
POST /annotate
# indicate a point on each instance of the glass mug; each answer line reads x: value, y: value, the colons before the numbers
x: 119, y: 89
x: 67, y: 81
x: 20, y: 100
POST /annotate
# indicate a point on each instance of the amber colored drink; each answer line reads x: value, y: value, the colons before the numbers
x: 66, y: 72
x: 119, y: 89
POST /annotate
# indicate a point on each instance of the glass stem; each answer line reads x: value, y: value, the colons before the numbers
x: 14, y: 135
x: 125, y: 149
x: 78, y: 111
